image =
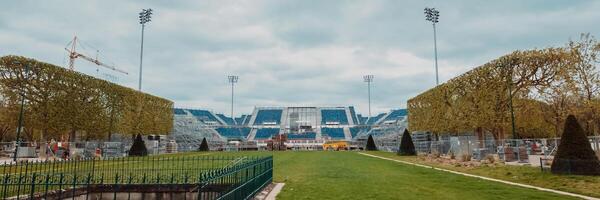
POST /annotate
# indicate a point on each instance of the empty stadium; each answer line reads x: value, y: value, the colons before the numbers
x: 296, y: 99
x: 306, y: 128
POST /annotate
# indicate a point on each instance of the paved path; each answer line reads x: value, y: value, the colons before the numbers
x: 487, y: 178
x: 275, y: 191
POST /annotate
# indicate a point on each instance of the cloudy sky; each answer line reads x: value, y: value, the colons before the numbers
x: 288, y: 53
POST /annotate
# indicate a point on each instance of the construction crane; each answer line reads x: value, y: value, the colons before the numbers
x: 74, y: 55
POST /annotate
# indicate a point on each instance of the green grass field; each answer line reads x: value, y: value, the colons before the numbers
x: 349, y: 175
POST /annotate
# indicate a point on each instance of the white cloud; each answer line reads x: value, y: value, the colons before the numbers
x: 289, y: 52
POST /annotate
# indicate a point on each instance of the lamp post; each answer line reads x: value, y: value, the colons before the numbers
x: 233, y: 80
x: 144, y: 18
x: 432, y: 15
x: 20, y: 126
x: 368, y: 79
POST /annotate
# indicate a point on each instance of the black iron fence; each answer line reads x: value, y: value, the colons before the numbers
x: 177, y: 176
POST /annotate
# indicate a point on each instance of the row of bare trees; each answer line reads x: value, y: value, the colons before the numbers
x: 544, y: 86
x: 60, y: 103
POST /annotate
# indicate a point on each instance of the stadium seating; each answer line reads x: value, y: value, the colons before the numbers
x: 240, y: 120
x: 372, y: 120
x: 302, y: 136
x: 361, y: 119
x: 266, y: 133
x: 268, y: 116
x: 353, y: 114
x: 226, y: 119
x: 179, y: 111
x: 233, y: 132
x: 396, y: 114
x: 247, y: 120
x: 203, y: 115
x: 334, y: 133
x: 339, y: 116
x: 354, y: 131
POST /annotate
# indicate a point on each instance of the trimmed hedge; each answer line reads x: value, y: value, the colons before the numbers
x: 575, y: 155
x: 139, y: 147
x: 407, y: 147
x: 371, y: 144
x: 61, y: 101
x: 203, y: 145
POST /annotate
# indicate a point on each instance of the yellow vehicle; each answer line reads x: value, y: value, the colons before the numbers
x: 335, y: 145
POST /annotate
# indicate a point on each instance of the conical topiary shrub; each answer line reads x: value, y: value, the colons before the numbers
x: 575, y: 155
x: 203, y: 145
x: 371, y: 144
x: 139, y: 147
x: 407, y: 147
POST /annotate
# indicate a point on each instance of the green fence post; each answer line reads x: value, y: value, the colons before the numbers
x: 87, y: 185
x: 32, y: 189
x: 46, y: 185
x: 60, y: 184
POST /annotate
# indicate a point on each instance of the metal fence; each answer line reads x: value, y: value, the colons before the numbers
x: 509, y: 150
x: 151, y: 177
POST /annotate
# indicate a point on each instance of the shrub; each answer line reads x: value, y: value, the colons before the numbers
x: 203, y: 145
x: 407, y: 147
x: 575, y: 155
x: 371, y: 144
x: 490, y: 158
x: 465, y: 157
x: 139, y: 147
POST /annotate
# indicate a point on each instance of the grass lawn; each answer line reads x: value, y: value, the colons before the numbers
x: 586, y: 185
x: 349, y: 175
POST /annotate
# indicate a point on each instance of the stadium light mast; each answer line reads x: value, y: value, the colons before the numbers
x: 233, y: 80
x: 368, y: 79
x: 145, y: 16
x: 432, y: 15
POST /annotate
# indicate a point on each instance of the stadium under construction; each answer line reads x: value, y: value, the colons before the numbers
x: 296, y: 128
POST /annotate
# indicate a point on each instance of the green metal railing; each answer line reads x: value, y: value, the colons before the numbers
x: 194, y: 177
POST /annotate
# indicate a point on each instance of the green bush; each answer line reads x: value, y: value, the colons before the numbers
x: 407, y: 147
x: 575, y: 155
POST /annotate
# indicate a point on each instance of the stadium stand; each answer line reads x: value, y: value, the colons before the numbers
x: 372, y: 120
x: 361, y: 119
x: 240, y: 120
x: 247, y: 120
x: 303, y: 136
x: 396, y: 114
x: 334, y: 116
x: 353, y: 114
x: 268, y: 116
x: 226, y: 119
x: 233, y: 132
x: 354, y: 131
x: 203, y: 115
x: 334, y: 133
x: 179, y: 111
x: 266, y: 133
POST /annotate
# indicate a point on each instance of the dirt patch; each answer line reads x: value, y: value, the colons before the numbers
x: 447, y: 161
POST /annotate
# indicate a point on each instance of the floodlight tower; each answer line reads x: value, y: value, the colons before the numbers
x: 233, y: 80
x: 368, y: 79
x: 145, y: 16
x: 432, y: 15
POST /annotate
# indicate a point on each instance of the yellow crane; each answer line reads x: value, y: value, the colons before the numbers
x: 73, y: 54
